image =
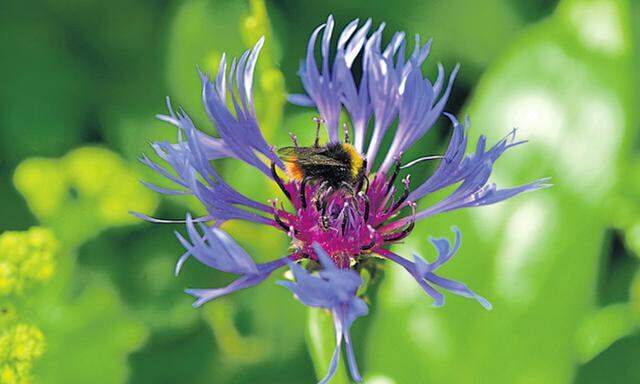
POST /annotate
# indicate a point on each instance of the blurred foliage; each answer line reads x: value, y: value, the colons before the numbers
x: 560, y: 266
x: 27, y: 261
x: 564, y: 84
x: 89, y: 189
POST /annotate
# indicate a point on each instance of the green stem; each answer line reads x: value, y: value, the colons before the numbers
x: 321, y: 341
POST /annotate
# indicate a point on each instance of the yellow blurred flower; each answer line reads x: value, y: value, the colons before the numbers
x: 19, y: 347
x: 26, y: 258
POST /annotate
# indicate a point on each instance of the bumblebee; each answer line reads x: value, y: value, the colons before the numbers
x: 335, y: 166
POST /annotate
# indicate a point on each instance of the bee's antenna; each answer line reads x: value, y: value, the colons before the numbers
x: 421, y: 159
x: 318, y: 121
x: 294, y: 139
x: 346, y: 132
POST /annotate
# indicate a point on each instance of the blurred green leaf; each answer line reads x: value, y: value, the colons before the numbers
x: 618, y: 364
x: 201, y: 31
x: 45, y: 92
x: 565, y: 85
x: 635, y: 298
x: 89, y: 334
x: 601, y: 329
x: 141, y: 264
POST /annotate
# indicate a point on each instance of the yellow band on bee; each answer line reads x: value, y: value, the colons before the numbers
x: 356, y: 159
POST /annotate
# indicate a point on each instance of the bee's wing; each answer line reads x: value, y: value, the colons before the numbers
x: 289, y: 154
x: 307, y: 156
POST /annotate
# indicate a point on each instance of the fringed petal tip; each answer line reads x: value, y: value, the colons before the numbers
x: 157, y: 220
x: 484, y: 302
x: 200, y: 295
x: 423, y: 271
x: 300, y: 99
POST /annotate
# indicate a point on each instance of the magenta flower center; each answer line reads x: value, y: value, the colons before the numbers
x: 345, y: 225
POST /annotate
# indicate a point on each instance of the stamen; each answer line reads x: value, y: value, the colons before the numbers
x: 370, y: 245
x: 346, y: 132
x: 403, y: 197
x: 405, y: 232
x: 281, y: 223
x: 367, y: 205
x: 279, y: 181
x: 421, y: 159
x: 395, y: 173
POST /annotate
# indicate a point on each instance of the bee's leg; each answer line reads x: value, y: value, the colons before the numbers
x: 322, y: 202
x: 363, y: 182
x: 303, y: 192
x: 349, y: 188
x: 367, y: 205
x: 323, y: 208
x: 346, y: 132
x: 279, y: 181
x: 345, y: 221
x: 318, y: 121
x: 317, y: 196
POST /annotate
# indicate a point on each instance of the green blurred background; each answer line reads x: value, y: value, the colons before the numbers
x: 82, y: 81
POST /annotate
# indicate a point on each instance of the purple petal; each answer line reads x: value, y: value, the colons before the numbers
x: 245, y: 281
x: 334, y: 289
x: 422, y: 271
